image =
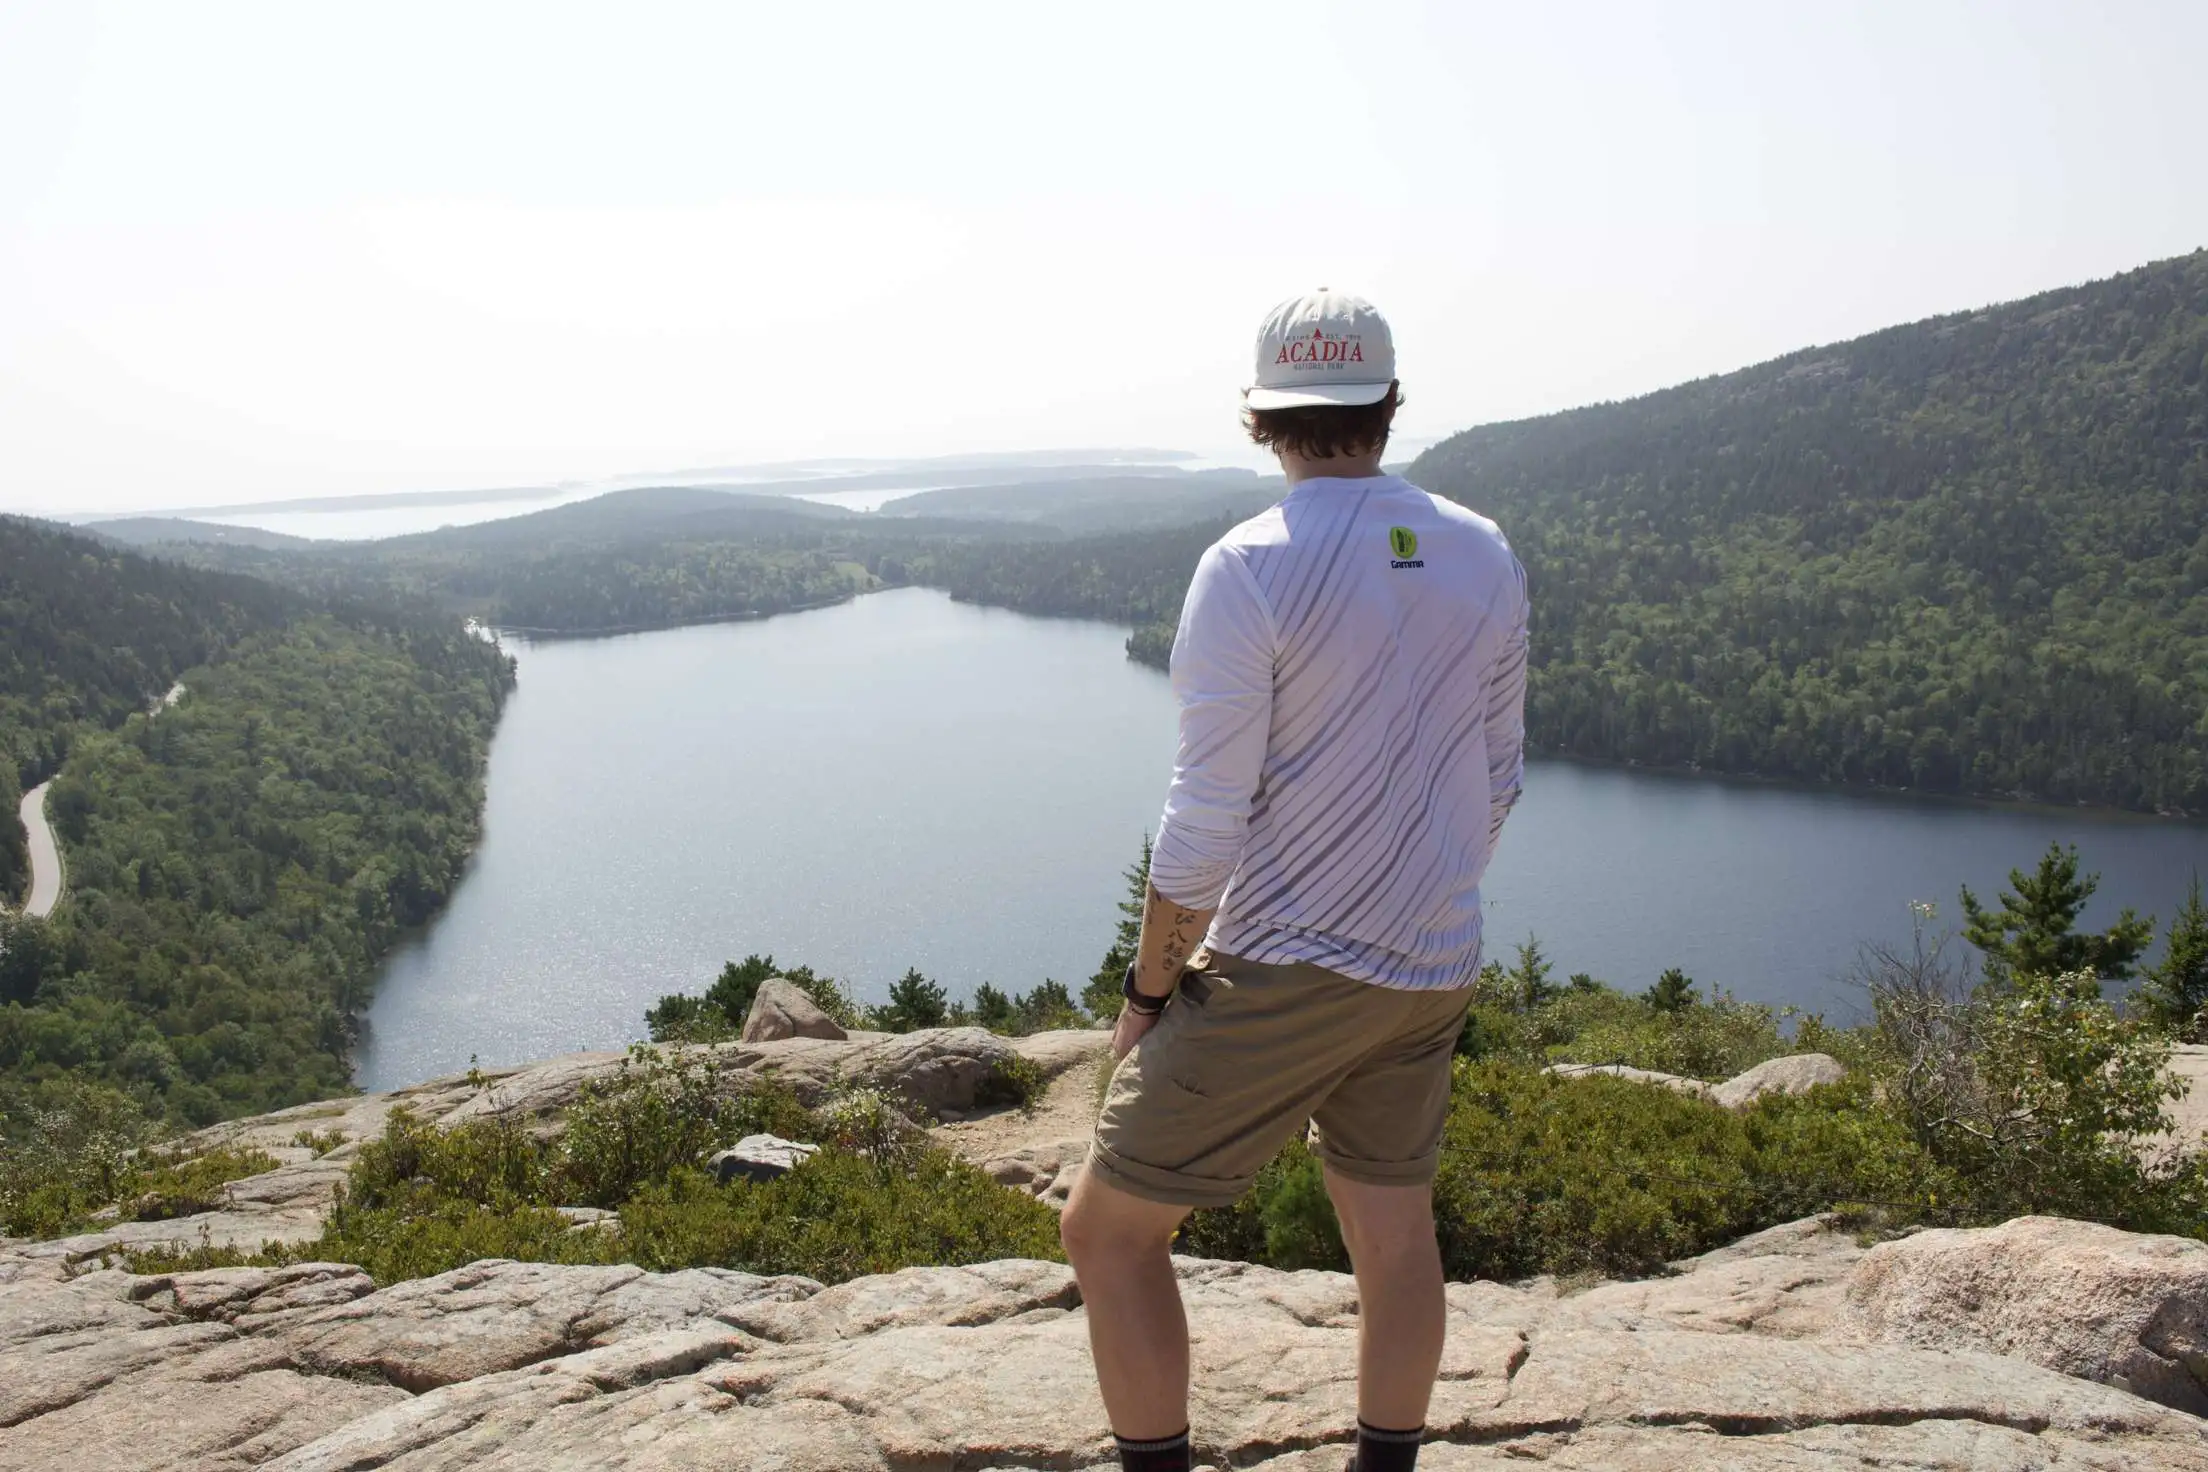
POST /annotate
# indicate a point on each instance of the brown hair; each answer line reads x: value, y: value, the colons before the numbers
x: 1323, y: 433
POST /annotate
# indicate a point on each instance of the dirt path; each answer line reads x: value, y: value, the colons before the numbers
x: 1040, y: 1152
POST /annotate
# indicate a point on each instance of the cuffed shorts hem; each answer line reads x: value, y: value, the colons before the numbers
x: 1418, y: 1172
x: 1166, y: 1187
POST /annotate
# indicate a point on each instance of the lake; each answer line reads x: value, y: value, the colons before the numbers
x: 904, y: 781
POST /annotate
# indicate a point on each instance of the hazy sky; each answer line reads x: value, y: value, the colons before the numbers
x: 254, y: 251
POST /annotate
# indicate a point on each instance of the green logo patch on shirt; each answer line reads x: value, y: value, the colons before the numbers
x: 1403, y: 542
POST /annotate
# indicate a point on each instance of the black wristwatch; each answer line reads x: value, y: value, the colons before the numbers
x: 1142, y: 1002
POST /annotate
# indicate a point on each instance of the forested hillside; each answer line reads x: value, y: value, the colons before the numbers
x: 1967, y: 554
x: 89, y: 633
x: 628, y: 560
x: 238, y: 863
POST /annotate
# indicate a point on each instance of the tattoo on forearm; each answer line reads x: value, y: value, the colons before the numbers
x: 1171, y: 936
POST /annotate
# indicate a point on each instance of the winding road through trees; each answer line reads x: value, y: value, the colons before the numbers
x: 46, y: 871
x: 45, y: 855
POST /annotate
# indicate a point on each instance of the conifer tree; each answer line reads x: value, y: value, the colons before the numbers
x: 1673, y: 991
x: 992, y: 1008
x: 1101, y: 996
x: 2174, y: 994
x: 2034, y: 932
x: 914, y: 1003
x: 1528, y: 978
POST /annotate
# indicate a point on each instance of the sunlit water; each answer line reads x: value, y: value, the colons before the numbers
x: 906, y: 781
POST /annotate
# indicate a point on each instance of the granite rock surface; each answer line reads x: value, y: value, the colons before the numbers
x: 1747, y: 1358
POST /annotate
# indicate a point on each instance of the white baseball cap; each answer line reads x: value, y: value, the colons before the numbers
x: 1324, y: 348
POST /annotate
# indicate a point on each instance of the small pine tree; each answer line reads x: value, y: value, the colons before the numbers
x: 914, y: 1003
x: 1102, y: 996
x: 1528, y: 979
x: 992, y: 1008
x: 2174, y: 994
x: 1049, y: 1005
x: 1672, y: 993
x: 2034, y: 933
x: 1580, y: 981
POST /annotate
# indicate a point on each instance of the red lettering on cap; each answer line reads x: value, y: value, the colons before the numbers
x: 1356, y: 352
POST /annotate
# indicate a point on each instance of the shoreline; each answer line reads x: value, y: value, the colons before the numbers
x: 1906, y: 795
x: 612, y: 631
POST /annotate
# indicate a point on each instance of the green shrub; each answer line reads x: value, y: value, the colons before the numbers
x: 162, y: 1187
x: 422, y: 1239
x: 838, y: 1216
x: 1285, y: 1220
x: 663, y: 1110
x: 421, y: 1200
x: 1588, y: 1022
x: 1541, y: 1174
x: 866, y: 1121
x: 1707, y: 1040
x: 66, y: 1146
x: 1012, y: 1080
x: 2032, y: 1093
x: 70, y: 1147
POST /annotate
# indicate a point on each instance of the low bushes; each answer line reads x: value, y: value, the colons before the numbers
x: 421, y: 1200
x: 1541, y: 1174
x: 1965, y: 1105
x: 838, y: 1216
x: 70, y: 1148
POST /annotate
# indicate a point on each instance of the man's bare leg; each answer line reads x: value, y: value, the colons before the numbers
x: 1121, y: 1250
x: 1389, y: 1231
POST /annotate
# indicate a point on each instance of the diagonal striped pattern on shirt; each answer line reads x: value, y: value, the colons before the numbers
x: 1352, y: 732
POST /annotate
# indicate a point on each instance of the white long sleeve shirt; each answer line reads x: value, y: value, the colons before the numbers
x: 1351, y: 670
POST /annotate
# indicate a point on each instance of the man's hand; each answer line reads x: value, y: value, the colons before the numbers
x: 1130, y: 1030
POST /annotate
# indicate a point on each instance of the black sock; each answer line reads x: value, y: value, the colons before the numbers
x: 1382, y: 1450
x: 1167, y: 1454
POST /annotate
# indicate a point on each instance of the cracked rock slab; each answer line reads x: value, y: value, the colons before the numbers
x: 1730, y: 1362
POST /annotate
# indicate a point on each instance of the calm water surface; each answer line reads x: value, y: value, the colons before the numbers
x: 905, y: 781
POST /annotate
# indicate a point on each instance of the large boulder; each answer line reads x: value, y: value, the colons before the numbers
x: 2114, y: 1307
x: 1797, y: 1073
x: 782, y: 1010
x: 759, y: 1158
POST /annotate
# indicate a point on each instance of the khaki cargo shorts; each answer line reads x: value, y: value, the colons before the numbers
x: 1248, y: 1052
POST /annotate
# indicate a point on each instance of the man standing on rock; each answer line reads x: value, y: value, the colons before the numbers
x: 1351, y: 670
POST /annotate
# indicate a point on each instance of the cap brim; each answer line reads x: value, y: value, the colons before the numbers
x: 1318, y: 395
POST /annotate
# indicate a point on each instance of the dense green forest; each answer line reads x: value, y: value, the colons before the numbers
x: 88, y: 634
x: 238, y: 863
x: 1967, y: 555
